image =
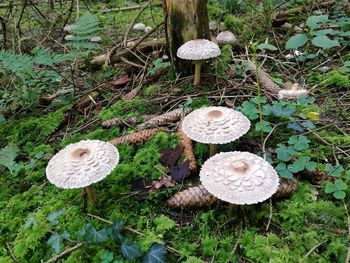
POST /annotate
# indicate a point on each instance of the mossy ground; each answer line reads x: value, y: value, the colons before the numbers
x: 311, y: 226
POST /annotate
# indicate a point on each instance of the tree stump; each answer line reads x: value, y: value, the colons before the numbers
x: 185, y: 20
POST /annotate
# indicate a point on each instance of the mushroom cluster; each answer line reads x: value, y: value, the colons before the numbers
x: 215, y: 125
x: 239, y: 177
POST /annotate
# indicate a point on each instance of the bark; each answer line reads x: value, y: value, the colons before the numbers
x: 185, y: 20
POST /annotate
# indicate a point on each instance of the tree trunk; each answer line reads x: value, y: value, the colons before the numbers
x: 185, y: 20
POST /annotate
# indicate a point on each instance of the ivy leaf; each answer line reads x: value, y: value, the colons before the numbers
x: 311, y: 166
x: 296, y: 41
x: 306, y: 100
x: 334, y: 170
x: 330, y: 188
x: 313, y: 21
x: 29, y: 222
x: 55, y: 241
x: 91, y: 235
x: 8, y: 155
x: 339, y: 195
x: 130, y: 250
x: 295, y: 126
x: 284, y: 153
x: 324, y: 42
x: 340, y: 185
x: 308, y: 125
x: 107, y: 256
x: 156, y: 254
x: 52, y: 218
x: 115, y: 231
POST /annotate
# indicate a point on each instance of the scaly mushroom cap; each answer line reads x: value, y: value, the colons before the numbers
x: 69, y: 28
x: 215, y: 125
x: 95, y: 39
x: 226, y: 37
x: 198, y: 49
x: 82, y: 164
x: 239, y: 177
x: 139, y: 27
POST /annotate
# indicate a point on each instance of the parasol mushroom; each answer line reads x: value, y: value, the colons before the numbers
x: 215, y: 125
x: 81, y: 164
x: 239, y: 178
x: 139, y: 27
x: 226, y: 37
x: 197, y: 51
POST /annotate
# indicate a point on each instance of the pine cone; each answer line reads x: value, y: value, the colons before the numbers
x: 316, y: 177
x: 287, y: 188
x: 265, y: 79
x: 193, y: 196
x: 129, y: 120
x: 135, y: 137
x: 188, y: 149
x: 170, y: 116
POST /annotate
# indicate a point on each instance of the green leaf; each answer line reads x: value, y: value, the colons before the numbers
x: 330, y: 188
x: 115, y: 231
x: 296, y: 41
x: 334, y: 170
x: 130, y: 250
x: 306, y: 100
x: 264, y: 125
x: 311, y: 166
x: 55, y: 242
x: 91, y: 235
x: 164, y: 223
x: 156, y: 254
x: 52, y: 218
x: 340, y: 185
x: 267, y: 46
x: 284, y: 153
x: 107, y: 256
x: 348, y: 174
x: 339, y: 195
x: 8, y: 155
x: 286, y: 174
x: 249, y: 109
x: 324, y: 42
x: 313, y: 21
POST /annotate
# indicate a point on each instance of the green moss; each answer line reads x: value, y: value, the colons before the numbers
x: 232, y: 22
x: 225, y: 60
x: 336, y: 79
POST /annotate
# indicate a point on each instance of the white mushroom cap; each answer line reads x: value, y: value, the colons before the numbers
x: 198, y: 49
x: 82, y: 164
x: 139, y: 27
x: 147, y: 29
x: 68, y: 28
x: 292, y: 94
x: 226, y: 37
x: 239, y: 177
x: 215, y: 125
x: 95, y: 39
x: 68, y: 37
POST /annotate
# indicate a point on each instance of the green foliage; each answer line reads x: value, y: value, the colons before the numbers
x: 225, y: 60
x: 155, y: 255
x: 337, y: 189
x: 8, y: 155
x: 159, y: 65
x: 296, y: 41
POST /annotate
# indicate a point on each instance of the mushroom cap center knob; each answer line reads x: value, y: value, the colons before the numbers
x: 239, y: 166
x: 81, y: 153
x: 215, y: 114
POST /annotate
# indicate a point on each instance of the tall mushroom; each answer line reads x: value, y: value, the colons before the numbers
x: 239, y: 178
x: 197, y: 51
x: 81, y: 164
x: 215, y: 125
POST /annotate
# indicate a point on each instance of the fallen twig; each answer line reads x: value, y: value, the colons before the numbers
x: 66, y: 251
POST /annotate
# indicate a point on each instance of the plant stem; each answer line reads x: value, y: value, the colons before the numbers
x: 197, y: 73
x: 213, y: 149
x: 259, y: 98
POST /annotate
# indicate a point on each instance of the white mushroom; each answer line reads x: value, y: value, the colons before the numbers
x: 95, y: 39
x: 239, y: 177
x: 68, y: 37
x: 81, y: 164
x: 69, y: 28
x: 294, y: 93
x: 147, y: 29
x: 139, y: 27
x: 226, y: 37
x: 215, y: 125
x: 198, y: 50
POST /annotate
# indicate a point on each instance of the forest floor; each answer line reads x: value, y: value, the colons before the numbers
x: 54, y: 92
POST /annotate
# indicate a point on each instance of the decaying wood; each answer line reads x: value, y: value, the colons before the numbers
x: 185, y: 20
x: 265, y: 80
x: 123, y: 52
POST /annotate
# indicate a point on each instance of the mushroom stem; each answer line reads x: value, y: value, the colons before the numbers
x: 197, y: 73
x: 232, y: 210
x: 212, y: 149
x: 90, y: 193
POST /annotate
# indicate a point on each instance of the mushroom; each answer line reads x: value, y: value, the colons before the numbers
x: 68, y: 37
x: 215, y: 125
x: 226, y: 37
x: 198, y: 50
x: 139, y: 27
x: 147, y: 29
x: 239, y: 178
x: 293, y: 93
x: 81, y: 164
x: 69, y: 28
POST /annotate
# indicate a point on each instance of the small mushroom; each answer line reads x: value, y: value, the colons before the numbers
x: 68, y: 37
x: 215, y: 125
x: 226, y: 38
x: 69, y: 28
x: 239, y: 178
x: 147, y: 29
x: 139, y: 27
x: 95, y: 39
x: 197, y: 51
x: 294, y: 93
x: 81, y: 164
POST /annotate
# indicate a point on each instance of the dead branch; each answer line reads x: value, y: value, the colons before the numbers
x: 127, y: 8
x: 66, y: 251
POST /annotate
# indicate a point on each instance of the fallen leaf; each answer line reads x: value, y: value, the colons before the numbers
x: 121, y: 80
x: 165, y: 181
x: 180, y: 172
x: 168, y: 157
